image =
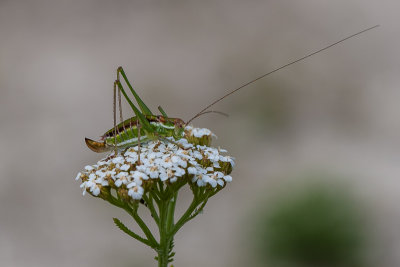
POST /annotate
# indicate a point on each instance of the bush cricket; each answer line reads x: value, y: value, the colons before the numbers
x: 145, y: 126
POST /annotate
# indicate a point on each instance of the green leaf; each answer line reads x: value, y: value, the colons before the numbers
x: 126, y: 230
x: 171, y: 254
x: 123, y: 228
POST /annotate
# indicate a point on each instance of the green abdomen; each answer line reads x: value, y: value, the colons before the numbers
x: 127, y: 132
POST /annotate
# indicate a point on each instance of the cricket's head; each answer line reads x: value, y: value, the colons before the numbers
x: 179, y: 127
x: 95, y: 146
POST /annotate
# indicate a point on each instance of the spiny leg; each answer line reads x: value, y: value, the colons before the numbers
x: 115, y: 119
x: 120, y: 109
x: 139, y: 147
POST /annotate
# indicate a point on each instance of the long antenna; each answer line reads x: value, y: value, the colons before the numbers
x: 284, y: 66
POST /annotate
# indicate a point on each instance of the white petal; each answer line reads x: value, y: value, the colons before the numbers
x: 96, y: 191
x: 200, y: 182
x: 125, y: 167
x: 153, y: 175
x: 192, y: 170
x: 216, y: 164
x: 212, y: 182
x: 131, y: 185
x: 89, y: 168
x: 228, y: 178
x: 163, y: 176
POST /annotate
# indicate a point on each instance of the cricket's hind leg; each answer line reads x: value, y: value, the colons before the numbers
x: 116, y: 130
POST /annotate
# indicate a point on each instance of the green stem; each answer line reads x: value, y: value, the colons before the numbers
x: 165, y: 199
x: 164, y: 238
x: 171, y: 211
x: 155, y: 195
x: 198, y: 211
x: 167, y: 212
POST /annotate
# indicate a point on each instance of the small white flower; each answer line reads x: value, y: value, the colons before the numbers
x: 179, y: 171
x: 118, y: 160
x: 159, y: 160
x: 228, y: 178
x: 192, y: 170
x: 95, y: 190
x: 102, y: 182
x: 125, y: 167
x: 166, y: 162
x: 78, y: 176
x: 193, y: 162
x: 122, y: 179
x: 152, y: 155
x: 132, y: 160
x: 139, y: 177
x: 170, y: 173
x: 212, y: 155
x: 197, y: 155
x: 175, y: 159
x: 130, y: 185
x: 163, y: 175
x: 200, y: 132
x: 153, y: 171
x: 183, y: 164
x: 89, y: 168
x: 101, y: 163
x: 220, y: 182
x: 200, y: 179
x: 217, y: 176
x: 136, y: 192
x: 228, y: 159
x: 185, y: 143
x: 100, y: 174
x: 92, y: 186
x: 212, y: 182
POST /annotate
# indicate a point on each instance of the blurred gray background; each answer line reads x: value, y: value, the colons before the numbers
x: 335, y: 113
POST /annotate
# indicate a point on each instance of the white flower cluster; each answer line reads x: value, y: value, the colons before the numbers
x: 159, y: 160
x: 198, y: 132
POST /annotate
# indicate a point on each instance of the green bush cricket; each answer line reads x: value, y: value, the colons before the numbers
x: 145, y: 126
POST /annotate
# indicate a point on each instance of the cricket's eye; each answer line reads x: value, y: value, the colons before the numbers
x: 179, y: 123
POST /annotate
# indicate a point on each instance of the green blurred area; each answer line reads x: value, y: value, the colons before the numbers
x: 317, y: 224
